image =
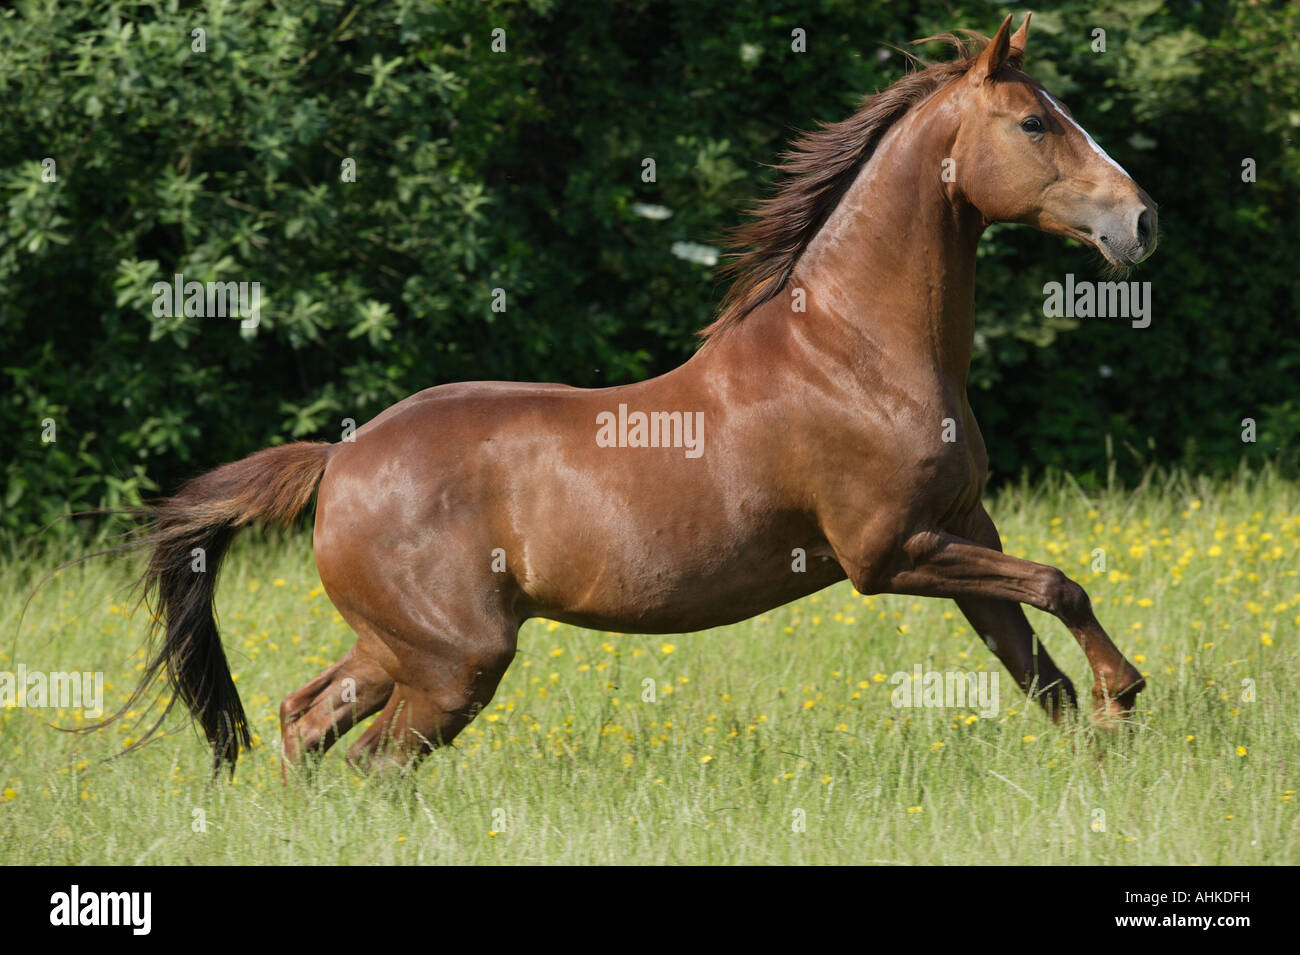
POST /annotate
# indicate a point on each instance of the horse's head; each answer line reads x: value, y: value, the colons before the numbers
x: 1021, y: 157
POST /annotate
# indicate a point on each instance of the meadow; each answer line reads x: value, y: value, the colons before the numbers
x: 771, y: 741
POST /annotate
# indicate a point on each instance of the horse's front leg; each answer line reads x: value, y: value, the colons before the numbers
x: 939, y: 564
x: 1002, y: 625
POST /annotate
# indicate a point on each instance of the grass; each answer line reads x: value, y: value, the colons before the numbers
x: 772, y: 741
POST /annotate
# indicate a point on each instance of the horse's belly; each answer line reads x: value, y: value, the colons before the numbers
x: 665, y: 601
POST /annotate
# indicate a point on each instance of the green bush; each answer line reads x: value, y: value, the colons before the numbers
x: 520, y: 170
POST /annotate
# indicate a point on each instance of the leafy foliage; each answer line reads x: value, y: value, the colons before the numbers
x: 521, y: 170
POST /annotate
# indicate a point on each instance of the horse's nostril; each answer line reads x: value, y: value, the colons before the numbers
x: 1144, y: 227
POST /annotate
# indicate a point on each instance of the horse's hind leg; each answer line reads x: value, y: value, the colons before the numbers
x: 317, y: 714
x: 441, y: 689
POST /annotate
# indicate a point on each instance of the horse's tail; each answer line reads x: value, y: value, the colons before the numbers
x: 189, y: 535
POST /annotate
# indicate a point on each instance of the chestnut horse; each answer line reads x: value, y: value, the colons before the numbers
x: 825, y: 415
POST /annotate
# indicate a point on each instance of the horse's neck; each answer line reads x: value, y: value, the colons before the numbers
x: 891, y: 273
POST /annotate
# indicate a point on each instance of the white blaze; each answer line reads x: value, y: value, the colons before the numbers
x: 1091, y: 142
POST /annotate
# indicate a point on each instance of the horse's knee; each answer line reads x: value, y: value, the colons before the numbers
x: 1065, y: 598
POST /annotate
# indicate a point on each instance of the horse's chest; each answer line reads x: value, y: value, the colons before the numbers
x: 955, y: 472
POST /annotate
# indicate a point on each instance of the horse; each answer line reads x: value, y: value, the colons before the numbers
x: 824, y: 416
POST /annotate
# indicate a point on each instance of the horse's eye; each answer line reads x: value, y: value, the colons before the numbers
x: 1032, y: 125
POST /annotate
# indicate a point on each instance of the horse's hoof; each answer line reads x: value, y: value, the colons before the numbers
x: 1059, y: 700
x: 1114, y: 710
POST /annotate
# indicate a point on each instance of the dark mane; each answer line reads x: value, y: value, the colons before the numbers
x: 818, y: 169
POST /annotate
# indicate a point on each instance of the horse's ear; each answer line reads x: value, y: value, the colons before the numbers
x: 1018, y: 41
x: 994, y: 55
